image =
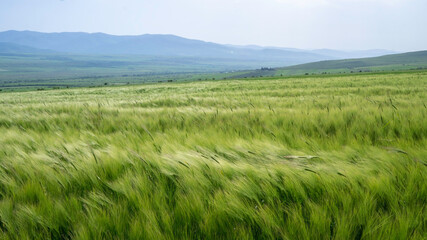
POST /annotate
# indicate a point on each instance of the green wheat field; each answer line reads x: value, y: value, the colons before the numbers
x: 332, y: 157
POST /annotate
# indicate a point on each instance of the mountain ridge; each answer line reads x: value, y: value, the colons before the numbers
x: 161, y: 45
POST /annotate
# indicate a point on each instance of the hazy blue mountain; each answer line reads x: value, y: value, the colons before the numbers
x: 331, y: 53
x: 170, y: 45
x: 353, y: 54
x: 154, y: 45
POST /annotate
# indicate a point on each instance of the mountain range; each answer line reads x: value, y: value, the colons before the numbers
x: 29, y: 42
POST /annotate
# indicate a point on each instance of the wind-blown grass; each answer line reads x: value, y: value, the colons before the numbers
x: 217, y: 160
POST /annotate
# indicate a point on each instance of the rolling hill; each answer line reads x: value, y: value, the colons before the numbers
x: 393, y: 62
x: 410, y: 58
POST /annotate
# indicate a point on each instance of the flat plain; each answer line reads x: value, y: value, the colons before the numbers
x: 333, y: 157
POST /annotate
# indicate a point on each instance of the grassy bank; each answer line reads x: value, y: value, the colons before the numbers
x: 298, y: 158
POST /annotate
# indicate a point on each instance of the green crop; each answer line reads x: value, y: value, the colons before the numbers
x: 339, y: 157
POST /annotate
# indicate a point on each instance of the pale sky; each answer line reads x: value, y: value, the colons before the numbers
x: 399, y: 25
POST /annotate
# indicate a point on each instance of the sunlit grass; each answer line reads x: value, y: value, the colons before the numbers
x: 214, y: 160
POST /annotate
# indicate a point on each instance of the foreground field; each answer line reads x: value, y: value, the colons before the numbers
x: 303, y: 158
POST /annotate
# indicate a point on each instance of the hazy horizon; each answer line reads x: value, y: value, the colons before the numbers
x: 305, y: 24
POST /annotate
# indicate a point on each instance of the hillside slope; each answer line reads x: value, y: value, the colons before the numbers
x: 403, y: 61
